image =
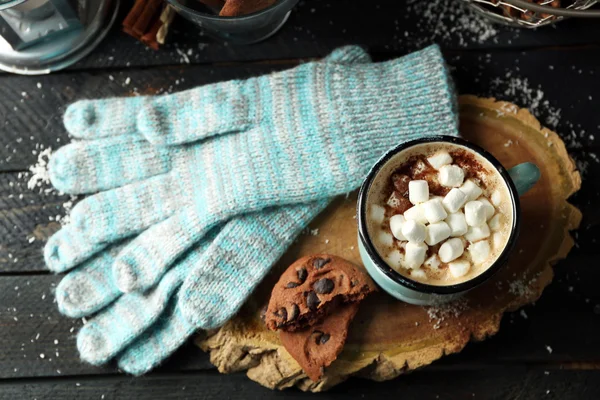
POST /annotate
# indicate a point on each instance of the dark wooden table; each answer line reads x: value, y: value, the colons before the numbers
x: 548, y: 350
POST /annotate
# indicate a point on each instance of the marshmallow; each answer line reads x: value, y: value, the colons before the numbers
x: 385, y: 238
x: 451, y: 250
x: 498, y: 240
x: 418, y: 191
x: 439, y: 159
x: 414, y: 231
x: 433, y: 262
x: 496, y: 198
x: 451, y: 176
x: 457, y: 223
x: 479, y: 251
x: 489, y: 208
x: 434, y: 211
x: 395, y: 259
x: 454, y: 200
x: 471, y: 190
x: 396, y: 226
x: 416, y: 213
x: 377, y: 213
x: 414, y: 255
x: 475, y: 213
x: 437, y: 232
x: 459, y: 268
x: 418, y: 273
x: 476, y: 233
x: 495, y: 222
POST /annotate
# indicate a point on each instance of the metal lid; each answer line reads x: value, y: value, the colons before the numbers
x: 76, y: 33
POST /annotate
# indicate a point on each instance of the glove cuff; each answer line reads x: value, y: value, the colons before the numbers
x: 382, y: 105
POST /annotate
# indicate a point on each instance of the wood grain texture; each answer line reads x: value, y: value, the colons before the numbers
x: 316, y: 28
x: 388, y: 337
x: 27, y: 219
x: 36, y: 341
x: 491, y: 383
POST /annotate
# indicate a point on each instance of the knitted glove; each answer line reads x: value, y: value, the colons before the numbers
x: 224, y: 264
x: 227, y: 266
x: 304, y: 134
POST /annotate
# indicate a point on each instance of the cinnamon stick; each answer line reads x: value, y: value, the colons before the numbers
x: 147, y: 17
x: 133, y: 15
x: 149, y: 39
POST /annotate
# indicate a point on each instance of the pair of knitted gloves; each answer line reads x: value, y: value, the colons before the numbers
x: 199, y: 193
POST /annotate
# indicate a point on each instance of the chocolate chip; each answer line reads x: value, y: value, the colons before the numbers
x: 312, y: 300
x: 353, y: 282
x: 302, y: 274
x: 319, y: 263
x: 281, y: 313
x: 323, y: 286
x: 294, y: 313
x: 292, y: 285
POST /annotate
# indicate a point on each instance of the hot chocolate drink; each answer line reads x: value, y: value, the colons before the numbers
x: 439, y: 213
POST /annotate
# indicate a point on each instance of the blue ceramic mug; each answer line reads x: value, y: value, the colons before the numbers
x: 518, y: 180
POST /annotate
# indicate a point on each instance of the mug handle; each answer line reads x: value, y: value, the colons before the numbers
x: 524, y: 176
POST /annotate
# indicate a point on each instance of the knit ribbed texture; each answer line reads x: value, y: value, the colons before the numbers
x: 202, y: 191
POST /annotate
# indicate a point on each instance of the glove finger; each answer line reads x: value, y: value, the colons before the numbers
x: 238, y: 259
x: 90, y: 287
x: 114, y: 214
x: 117, y: 326
x: 199, y: 113
x: 141, y: 264
x: 68, y: 247
x: 92, y: 166
x: 157, y: 343
x: 93, y: 119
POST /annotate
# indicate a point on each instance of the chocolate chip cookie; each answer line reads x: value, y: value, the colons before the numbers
x: 317, y: 346
x: 311, y: 287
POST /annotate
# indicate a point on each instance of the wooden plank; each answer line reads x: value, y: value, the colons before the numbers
x: 27, y: 218
x: 489, y: 384
x: 35, y: 340
x: 315, y: 28
x: 565, y: 318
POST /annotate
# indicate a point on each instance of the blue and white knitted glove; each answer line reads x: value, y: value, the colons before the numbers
x: 226, y: 264
x: 300, y: 135
x: 143, y: 328
x: 70, y: 246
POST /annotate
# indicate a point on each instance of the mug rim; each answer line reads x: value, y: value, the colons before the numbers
x: 402, y: 280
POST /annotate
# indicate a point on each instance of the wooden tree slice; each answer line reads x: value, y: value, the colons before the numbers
x: 389, y: 337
